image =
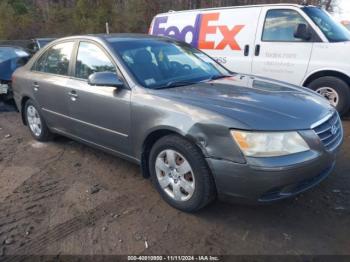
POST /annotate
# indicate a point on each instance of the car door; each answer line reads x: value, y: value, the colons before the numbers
x: 278, y: 53
x: 101, y: 114
x: 229, y: 37
x: 48, y: 79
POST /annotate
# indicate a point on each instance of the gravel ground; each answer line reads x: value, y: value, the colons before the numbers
x: 66, y: 198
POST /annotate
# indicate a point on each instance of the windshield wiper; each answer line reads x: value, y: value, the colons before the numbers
x: 177, y: 84
x: 216, y: 77
x: 187, y: 83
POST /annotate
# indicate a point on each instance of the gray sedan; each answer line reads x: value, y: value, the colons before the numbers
x: 197, y: 130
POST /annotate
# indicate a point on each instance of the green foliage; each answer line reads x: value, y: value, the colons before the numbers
x: 19, y: 7
x: 6, y: 19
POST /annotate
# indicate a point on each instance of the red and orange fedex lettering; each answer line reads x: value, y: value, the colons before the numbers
x: 229, y: 37
x: 207, y: 29
x: 200, y: 31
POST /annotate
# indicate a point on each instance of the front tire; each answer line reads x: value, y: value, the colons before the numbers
x: 36, y: 122
x: 180, y: 174
x: 335, y: 90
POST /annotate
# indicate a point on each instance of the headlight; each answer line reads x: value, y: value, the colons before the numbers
x: 269, y: 144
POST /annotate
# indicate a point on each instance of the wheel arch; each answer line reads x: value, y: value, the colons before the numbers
x: 23, y: 103
x: 152, y: 138
x: 324, y: 73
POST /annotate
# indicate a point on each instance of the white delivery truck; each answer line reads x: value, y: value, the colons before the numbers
x: 299, y: 44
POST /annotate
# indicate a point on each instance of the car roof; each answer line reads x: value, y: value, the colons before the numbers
x: 43, y: 38
x: 119, y: 36
x: 233, y: 7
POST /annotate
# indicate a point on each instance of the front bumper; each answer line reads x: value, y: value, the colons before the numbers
x: 269, y: 182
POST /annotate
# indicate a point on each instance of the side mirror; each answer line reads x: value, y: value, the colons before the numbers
x: 105, y: 79
x: 303, y: 32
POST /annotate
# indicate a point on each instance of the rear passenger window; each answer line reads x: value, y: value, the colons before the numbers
x: 280, y: 26
x: 40, y: 63
x: 56, y: 60
x: 92, y: 59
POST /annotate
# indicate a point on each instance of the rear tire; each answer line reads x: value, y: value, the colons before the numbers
x: 335, y: 90
x: 196, y: 187
x: 36, y: 122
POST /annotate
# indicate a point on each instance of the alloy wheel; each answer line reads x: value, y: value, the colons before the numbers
x: 34, y: 120
x: 330, y: 94
x: 175, y: 175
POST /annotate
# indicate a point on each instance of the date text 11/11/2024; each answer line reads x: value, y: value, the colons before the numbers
x: 174, y: 258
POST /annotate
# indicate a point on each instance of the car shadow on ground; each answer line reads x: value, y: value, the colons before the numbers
x: 7, y: 106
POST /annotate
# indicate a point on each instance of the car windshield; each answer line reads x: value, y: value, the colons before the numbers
x: 9, y: 53
x: 333, y: 30
x: 160, y: 63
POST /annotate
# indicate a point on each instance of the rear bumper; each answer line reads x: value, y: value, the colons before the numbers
x: 261, y: 184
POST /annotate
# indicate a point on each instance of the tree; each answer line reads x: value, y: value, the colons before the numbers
x: 330, y: 5
x: 6, y: 19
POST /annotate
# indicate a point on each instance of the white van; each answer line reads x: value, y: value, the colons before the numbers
x: 302, y: 45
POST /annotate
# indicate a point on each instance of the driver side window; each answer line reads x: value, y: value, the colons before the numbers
x: 280, y: 26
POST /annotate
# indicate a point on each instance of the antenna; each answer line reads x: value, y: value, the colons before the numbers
x: 107, y: 28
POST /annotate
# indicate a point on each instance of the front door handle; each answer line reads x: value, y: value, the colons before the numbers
x: 246, y: 50
x: 73, y: 95
x: 257, y: 50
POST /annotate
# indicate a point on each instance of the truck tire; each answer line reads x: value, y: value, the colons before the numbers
x: 181, y: 174
x: 335, y: 90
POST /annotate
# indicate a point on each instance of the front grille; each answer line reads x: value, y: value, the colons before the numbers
x: 330, y: 132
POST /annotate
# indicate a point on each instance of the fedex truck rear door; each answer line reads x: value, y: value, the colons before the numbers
x: 227, y: 34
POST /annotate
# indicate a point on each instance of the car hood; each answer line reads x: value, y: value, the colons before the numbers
x: 6, y: 70
x: 9, y: 66
x: 257, y: 103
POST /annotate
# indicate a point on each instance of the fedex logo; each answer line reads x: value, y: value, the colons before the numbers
x: 200, y: 32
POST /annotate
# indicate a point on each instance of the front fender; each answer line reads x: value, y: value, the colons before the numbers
x: 208, y: 130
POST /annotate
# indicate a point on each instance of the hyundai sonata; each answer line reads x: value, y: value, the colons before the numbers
x: 197, y: 130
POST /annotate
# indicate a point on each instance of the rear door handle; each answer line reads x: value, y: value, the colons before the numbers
x: 257, y: 50
x: 73, y: 94
x: 246, y: 50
